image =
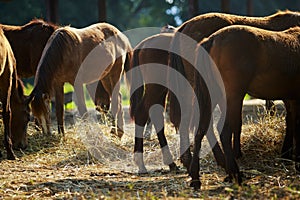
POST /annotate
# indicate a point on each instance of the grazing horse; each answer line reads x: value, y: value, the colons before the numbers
x: 15, y: 111
x: 204, y: 25
x: 27, y: 43
x: 249, y: 60
x: 78, y: 56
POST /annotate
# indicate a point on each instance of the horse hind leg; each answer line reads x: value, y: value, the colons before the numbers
x: 7, y: 130
x: 141, y: 118
x: 157, y: 118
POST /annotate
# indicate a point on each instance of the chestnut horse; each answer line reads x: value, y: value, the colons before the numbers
x: 204, y: 25
x: 79, y: 56
x: 28, y: 42
x: 15, y: 111
x: 249, y: 60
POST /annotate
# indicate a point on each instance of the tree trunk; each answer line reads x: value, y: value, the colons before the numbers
x: 193, y: 8
x: 102, y: 10
x: 225, y: 6
x: 249, y: 7
x: 52, y: 11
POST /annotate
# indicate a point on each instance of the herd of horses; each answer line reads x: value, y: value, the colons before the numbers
x: 255, y: 55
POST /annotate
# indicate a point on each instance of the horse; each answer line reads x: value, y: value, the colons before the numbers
x: 201, y: 27
x: 27, y: 43
x: 249, y: 60
x: 152, y: 52
x: 15, y: 111
x: 69, y: 56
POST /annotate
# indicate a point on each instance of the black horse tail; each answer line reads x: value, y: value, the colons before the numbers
x: 135, y: 78
x: 205, y: 65
x: 175, y: 62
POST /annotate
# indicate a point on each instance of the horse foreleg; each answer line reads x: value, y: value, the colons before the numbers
x: 117, y: 111
x: 290, y: 119
x: 59, y: 107
x: 297, y: 137
x: 79, y: 100
x: 7, y: 130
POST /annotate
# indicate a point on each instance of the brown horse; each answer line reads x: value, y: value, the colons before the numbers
x: 15, y: 111
x: 147, y: 58
x: 27, y: 43
x: 249, y: 60
x: 204, y: 25
x: 79, y: 56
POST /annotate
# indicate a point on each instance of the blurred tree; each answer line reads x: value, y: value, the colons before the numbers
x: 193, y: 8
x: 249, y: 7
x: 225, y: 6
x: 52, y: 11
x: 102, y: 10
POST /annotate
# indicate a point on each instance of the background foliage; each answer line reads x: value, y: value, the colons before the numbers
x: 127, y: 14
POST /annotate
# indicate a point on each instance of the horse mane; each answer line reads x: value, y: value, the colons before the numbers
x: 37, y: 21
x: 58, y: 48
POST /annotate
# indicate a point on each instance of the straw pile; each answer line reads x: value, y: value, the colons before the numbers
x: 61, y: 168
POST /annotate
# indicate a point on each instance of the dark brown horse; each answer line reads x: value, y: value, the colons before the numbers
x: 249, y: 60
x: 27, y: 43
x: 79, y: 56
x: 151, y: 51
x: 204, y: 25
x: 15, y: 111
x: 148, y: 56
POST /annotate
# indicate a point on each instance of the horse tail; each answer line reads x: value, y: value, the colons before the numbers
x: 136, y: 75
x: 175, y: 62
x: 127, y: 61
x: 208, y: 83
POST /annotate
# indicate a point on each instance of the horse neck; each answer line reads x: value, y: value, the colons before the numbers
x: 43, y: 83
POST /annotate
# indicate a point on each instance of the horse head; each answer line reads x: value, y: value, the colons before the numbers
x: 40, y: 107
x: 20, y: 117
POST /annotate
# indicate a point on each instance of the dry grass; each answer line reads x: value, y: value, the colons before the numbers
x: 63, y: 168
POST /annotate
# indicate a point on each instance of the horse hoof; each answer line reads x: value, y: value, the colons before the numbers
x: 196, y: 184
x: 142, y: 171
x: 173, y: 167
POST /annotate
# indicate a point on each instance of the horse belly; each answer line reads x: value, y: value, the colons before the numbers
x: 275, y: 87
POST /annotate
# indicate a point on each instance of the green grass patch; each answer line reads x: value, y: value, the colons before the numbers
x: 89, y: 103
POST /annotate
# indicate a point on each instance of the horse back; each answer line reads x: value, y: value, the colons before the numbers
x: 251, y: 59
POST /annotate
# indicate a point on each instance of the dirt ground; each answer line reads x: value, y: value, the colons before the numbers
x: 53, y: 167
